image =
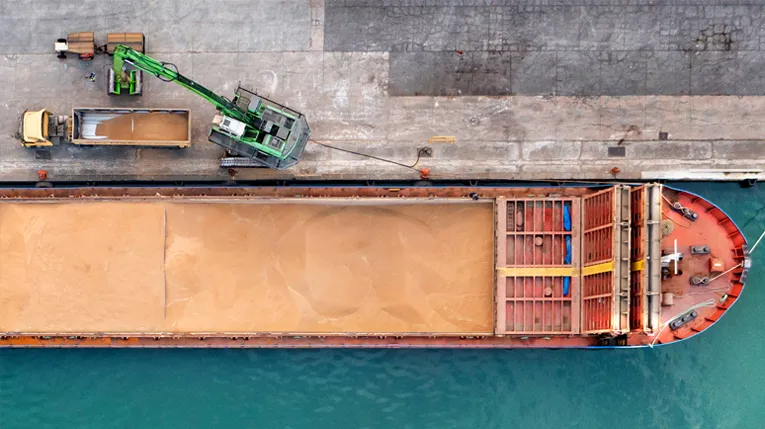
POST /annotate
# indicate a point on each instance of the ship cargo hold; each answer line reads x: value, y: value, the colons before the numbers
x: 469, y: 267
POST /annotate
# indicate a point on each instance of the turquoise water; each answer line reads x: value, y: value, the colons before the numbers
x: 716, y: 380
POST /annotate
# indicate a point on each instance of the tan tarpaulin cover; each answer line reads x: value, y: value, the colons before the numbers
x: 81, y: 43
x: 242, y: 267
x: 131, y: 40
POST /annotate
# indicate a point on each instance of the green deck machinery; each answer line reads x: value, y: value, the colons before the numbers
x: 257, y: 132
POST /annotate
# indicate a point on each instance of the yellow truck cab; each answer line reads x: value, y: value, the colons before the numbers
x: 40, y: 128
x: 34, y: 129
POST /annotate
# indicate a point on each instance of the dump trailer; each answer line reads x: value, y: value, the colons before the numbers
x: 131, y: 127
x: 107, y: 127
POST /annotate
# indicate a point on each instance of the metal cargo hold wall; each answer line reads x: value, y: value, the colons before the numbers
x: 605, y: 261
x: 645, y: 258
x: 639, y: 243
x: 652, y: 264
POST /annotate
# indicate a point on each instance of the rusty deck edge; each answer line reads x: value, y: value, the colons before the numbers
x: 144, y: 192
x: 295, y: 342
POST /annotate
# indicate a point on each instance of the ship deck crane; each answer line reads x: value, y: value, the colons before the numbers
x: 256, y: 131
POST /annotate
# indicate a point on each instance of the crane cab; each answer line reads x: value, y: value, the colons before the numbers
x: 274, y: 135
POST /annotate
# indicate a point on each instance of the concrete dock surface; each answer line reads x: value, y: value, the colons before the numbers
x: 529, y: 90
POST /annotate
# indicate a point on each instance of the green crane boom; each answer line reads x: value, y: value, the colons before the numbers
x: 262, y: 131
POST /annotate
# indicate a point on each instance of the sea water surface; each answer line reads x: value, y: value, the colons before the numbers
x: 715, y: 380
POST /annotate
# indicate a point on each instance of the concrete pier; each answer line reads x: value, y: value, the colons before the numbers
x: 529, y: 90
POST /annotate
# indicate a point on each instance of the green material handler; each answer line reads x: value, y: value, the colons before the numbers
x: 257, y: 132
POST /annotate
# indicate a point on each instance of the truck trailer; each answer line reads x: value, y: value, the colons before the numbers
x: 107, y: 127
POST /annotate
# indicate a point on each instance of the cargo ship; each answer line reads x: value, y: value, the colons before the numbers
x: 577, y: 266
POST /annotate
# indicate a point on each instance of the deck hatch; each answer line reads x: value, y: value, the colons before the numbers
x: 537, y: 266
x: 605, y: 261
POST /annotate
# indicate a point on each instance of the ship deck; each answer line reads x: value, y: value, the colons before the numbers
x: 362, y: 266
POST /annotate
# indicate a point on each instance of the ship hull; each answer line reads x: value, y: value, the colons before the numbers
x: 451, y: 267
